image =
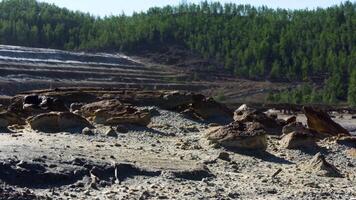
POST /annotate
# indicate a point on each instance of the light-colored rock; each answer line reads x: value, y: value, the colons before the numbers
x: 319, y: 166
x: 87, y: 131
x: 58, y: 122
x: 249, y: 135
x: 296, y: 140
x: 113, y: 112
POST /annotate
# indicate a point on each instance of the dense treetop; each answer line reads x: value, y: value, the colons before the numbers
x: 315, y: 46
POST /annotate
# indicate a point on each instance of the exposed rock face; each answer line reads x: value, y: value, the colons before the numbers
x: 34, y: 104
x: 319, y: 166
x: 113, y: 112
x: 8, y: 119
x: 272, y: 125
x: 321, y: 122
x: 58, y: 122
x: 249, y: 135
x: 296, y: 140
x: 295, y: 127
x: 295, y: 136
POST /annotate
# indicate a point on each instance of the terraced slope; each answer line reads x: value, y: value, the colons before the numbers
x: 23, y: 69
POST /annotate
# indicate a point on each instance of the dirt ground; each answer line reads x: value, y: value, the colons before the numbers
x: 169, y: 160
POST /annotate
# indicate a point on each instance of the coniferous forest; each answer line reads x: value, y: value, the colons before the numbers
x: 316, y: 47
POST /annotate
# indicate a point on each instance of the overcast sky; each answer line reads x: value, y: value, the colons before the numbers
x: 116, y: 7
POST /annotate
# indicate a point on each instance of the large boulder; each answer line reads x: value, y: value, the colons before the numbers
x: 296, y: 135
x: 113, y: 112
x: 249, y: 135
x: 321, y: 122
x: 58, y: 122
x: 297, y: 140
x: 272, y: 125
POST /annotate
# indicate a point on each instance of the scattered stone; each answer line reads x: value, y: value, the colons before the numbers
x: 321, y: 122
x: 249, y: 135
x: 58, y: 122
x: 319, y: 166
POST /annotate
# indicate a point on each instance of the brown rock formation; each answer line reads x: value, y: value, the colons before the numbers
x: 249, y: 135
x: 113, y: 112
x: 321, y: 122
x: 58, y: 122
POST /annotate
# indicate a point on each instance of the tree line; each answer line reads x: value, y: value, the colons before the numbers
x: 312, y: 46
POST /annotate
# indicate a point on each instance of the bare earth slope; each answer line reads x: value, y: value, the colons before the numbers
x: 23, y: 69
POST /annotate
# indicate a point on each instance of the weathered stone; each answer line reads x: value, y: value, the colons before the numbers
x: 321, y: 122
x: 121, y: 129
x: 8, y: 119
x: 76, y: 106
x: 249, y: 135
x: 294, y: 127
x: 297, y: 139
x: 271, y: 125
x: 113, y: 112
x: 58, y: 122
x: 87, y: 131
x: 290, y: 120
x: 111, y: 133
x: 319, y: 166
x: 224, y: 156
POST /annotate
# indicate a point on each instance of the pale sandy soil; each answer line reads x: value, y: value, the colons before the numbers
x: 174, y: 156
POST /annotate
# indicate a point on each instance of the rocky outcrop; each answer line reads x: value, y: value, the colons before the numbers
x: 321, y: 122
x: 8, y: 119
x: 34, y: 104
x: 319, y: 166
x: 296, y: 136
x: 58, y: 122
x: 113, y: 112
x: 249, y: 135
x: 272, y: 126
x: 297, y: 140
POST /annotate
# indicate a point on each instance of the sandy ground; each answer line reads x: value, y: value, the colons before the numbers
x: 170, y: 160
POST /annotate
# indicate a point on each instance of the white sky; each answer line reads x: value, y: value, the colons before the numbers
x: 116, y: 7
